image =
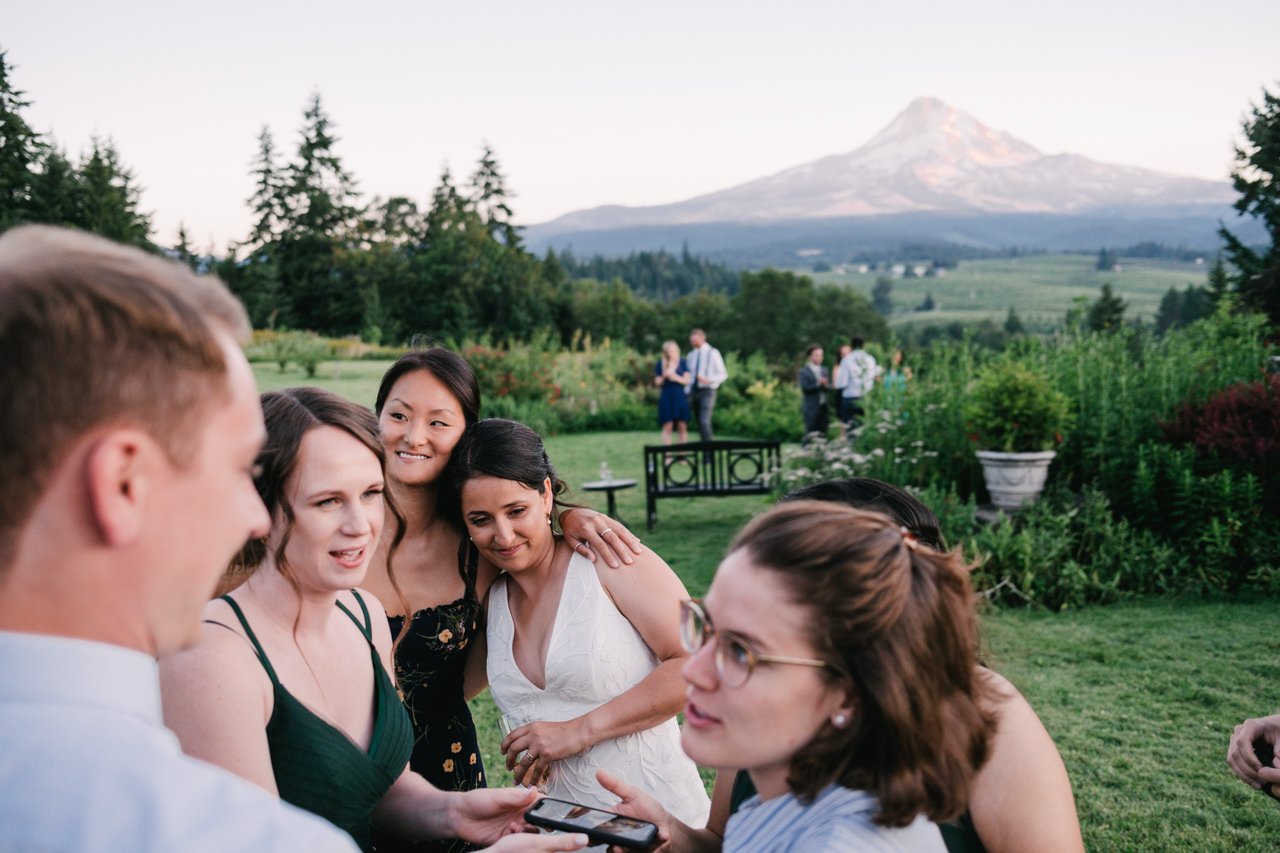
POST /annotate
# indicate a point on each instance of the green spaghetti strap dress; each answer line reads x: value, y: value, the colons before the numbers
x: 317, y: 767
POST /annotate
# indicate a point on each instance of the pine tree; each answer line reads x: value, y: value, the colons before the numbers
x: 1013, y: 323
x: 1257, y: 178
x: 1169, y: 315
x: 1196, y: 303
x: 20, y: 151
x: 1106, y: 313
x: 109, y: 197
x: 317, y: 219
x: 56, y: 196
x: 182, y: 249
x: 267, y: 201
x: 1219, y: 281
x: 489, y: 195
x: 318, y: 193
x: 882, y: 296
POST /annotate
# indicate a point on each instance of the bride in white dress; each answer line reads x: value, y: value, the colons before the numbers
x: 585, y: 664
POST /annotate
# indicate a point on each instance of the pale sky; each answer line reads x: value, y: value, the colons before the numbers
x: 588, y: 102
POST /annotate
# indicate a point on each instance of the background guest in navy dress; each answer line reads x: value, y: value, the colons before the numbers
x: 671, y: 374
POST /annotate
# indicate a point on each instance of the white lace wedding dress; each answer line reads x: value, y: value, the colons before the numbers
x: 594, y: 655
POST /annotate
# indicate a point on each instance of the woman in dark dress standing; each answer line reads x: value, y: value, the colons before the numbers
x: 671, y: 374
x: 425, y: 402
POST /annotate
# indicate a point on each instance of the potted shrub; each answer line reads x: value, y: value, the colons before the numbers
x: 1016, y: 417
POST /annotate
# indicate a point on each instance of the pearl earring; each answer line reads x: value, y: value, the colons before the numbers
x: 839, y: 720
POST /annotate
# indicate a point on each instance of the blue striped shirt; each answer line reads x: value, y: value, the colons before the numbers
x: 838, y: 820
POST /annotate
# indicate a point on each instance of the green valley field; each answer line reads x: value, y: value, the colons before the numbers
x: 1040, y: 287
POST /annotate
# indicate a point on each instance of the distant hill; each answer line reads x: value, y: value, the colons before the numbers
x: 934, y: 173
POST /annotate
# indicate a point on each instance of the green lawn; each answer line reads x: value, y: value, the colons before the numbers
x: 1040, y: 287
x: 1140, y: 698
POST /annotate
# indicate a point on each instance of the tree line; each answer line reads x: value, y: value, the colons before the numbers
x: 318, y: 257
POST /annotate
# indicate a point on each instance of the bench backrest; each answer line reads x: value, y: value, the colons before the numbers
x: 707, y: 469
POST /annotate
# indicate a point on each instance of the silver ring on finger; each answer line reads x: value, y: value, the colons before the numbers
x: 606, y: 530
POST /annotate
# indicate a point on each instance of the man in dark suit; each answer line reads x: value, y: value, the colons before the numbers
x: 813, y: 389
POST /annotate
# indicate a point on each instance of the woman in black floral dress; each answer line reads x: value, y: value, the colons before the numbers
x: 425, y: 402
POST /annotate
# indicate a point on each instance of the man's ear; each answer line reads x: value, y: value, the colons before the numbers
x: 116, y: 467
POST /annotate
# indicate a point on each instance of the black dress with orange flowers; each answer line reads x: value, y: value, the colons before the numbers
x: 430, y: 662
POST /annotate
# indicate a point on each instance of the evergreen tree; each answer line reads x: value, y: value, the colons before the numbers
x: 1013, y: 323
x: 182, y: 249
x: 882, y: 296
x: 1106, y: 260
x: 267, y: 201
x: 1196, y: 303
x: 1169, y: 315
x: 489, y: 195
x: 927, y: 304
x: 1106, y: 313
x: 1219, y: 281
x: 109, y: 197
x: 318, y: 193
x: 55, y: 190
x: 20, y: 151
x: 1255, y: 177
x: 318, y: 217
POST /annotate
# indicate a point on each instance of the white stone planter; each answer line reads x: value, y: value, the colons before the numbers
x: 1015, y: 479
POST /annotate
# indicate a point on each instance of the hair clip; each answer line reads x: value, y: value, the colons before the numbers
x: 909, y: 538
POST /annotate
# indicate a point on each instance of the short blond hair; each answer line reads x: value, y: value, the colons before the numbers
x: 93, y: 333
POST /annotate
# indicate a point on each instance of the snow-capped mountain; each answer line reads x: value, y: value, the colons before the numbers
x: 931, y: 158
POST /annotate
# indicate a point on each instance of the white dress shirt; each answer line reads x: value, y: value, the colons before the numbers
x: 856, y: 374
x: 707, y: 366
x: 86, y: 764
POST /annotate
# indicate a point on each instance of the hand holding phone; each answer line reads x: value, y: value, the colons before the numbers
x: 600, y: 826
x: 1266, y: 754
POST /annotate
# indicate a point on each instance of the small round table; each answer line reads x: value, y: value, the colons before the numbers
x: 610, y: 487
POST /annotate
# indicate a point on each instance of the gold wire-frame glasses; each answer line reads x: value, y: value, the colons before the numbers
x: 734, y: 658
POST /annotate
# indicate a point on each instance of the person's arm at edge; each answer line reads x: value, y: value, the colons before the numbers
x: 217, y: 698
x: 1022, y: 798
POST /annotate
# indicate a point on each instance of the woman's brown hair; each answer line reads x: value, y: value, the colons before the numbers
x: 897, y: 619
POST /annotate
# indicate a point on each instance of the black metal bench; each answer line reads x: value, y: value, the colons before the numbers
x: 700, y: 469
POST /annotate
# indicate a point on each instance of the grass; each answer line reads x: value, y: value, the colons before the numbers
x: 355, y: 380
x: 1141, y: 698
x: 1041, y: 287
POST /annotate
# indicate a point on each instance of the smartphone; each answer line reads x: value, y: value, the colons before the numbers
x: 600, y: 826
x: 1266, y: 754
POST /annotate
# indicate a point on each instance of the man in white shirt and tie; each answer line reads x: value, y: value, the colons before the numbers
x: 855, y: 377
x: 707, y: 366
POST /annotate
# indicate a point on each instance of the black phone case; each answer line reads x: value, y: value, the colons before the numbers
x: 1262, y: 749
x: 533, y: 818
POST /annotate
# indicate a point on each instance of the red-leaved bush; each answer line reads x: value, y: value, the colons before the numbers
x: 1239, y: 424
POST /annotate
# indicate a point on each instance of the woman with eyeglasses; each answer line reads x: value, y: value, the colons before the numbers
x: 1020, y: 800
x: 583, y: 663
x: 833, y: 659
